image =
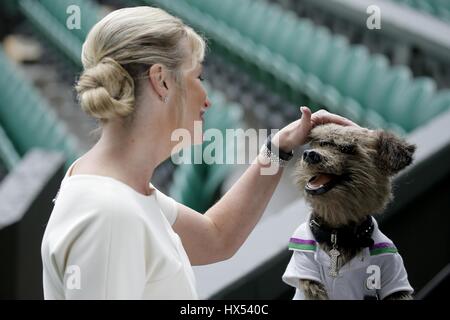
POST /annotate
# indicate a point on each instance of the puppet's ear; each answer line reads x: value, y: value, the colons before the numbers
x: 393, y: 153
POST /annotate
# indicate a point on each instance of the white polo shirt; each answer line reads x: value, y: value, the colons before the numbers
x: 310, y: 262
x: 104, y: 240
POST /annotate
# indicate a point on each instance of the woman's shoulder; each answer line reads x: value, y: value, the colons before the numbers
x: 91, y: 209
x: 89, y: 192
x: 89, y: 214
x: 95, y: 198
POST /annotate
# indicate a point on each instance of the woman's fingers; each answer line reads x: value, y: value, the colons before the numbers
x: 305, y: 123
x: 323, y: 116
x: 305, y: 126
x: 297, y: 133
x: 306, y: 114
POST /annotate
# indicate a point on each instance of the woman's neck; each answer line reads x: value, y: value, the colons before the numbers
x: 127, y: 156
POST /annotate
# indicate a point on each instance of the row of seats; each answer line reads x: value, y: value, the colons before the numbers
x: 295, y: 57
x: 26, y: 117
x: 438, y: 8
x: 349, y: 70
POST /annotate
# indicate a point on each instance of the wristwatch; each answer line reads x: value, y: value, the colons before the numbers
x: 276, y: 156
x: 283, y: 155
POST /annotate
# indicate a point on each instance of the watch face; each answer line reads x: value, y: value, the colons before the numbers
x: 282, y: 154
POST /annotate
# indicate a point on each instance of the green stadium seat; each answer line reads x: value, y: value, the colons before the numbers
x: 351, y: 60
x: 334, y: 48
x: 351, y: 109
x: 281, y: 43
x: 375, y: 86
x: 318, y: 53
x: 313, y: 87
x: 387, y: 94
x: 270, y: 28
x: 373, y: 120
x: 356, y: 71
x: 335, y: 69
x: 332, y: 98
x: 417, y: 95
x: 8, y: 154
x: 187, y: 187
x: 301, y: 44
x: 440, y: 103
x: 251, y: 25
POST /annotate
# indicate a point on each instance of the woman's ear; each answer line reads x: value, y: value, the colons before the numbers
x: 157, y: 76
x: 393, y: 152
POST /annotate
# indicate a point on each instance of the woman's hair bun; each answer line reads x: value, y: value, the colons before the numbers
x: 106, y: 90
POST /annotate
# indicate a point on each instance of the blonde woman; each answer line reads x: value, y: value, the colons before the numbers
x: 111, y: 234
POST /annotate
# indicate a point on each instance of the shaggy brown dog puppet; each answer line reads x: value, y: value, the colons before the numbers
x: 340, y: 253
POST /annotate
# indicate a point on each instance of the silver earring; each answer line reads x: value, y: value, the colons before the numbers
x: 164, y: 99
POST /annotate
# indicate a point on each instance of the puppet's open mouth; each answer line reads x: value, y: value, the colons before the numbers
x: 322, y: 183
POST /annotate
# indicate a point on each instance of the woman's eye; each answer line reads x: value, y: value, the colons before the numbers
x: 201, y: 77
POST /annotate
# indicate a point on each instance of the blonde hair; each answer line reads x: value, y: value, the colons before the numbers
x: 119, y: 50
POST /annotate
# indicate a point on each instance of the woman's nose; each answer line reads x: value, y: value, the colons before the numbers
x: 207, y: 103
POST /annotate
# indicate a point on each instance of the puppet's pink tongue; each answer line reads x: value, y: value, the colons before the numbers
x: 320, y: 180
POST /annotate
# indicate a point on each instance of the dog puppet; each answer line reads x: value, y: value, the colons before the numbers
x: 340, y: 253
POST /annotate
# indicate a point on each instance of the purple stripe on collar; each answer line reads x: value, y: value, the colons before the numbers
x: 302, y: 241
x: 382, y: 245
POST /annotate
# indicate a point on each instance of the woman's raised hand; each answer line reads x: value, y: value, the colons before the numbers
x: 296, y: 133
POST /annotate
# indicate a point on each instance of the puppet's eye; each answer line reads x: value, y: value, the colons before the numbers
x: 325, y: 143
x: 347, y: 149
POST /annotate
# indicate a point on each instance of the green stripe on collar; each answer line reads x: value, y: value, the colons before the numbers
x: 305, y: 247
x: 378, y: 251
